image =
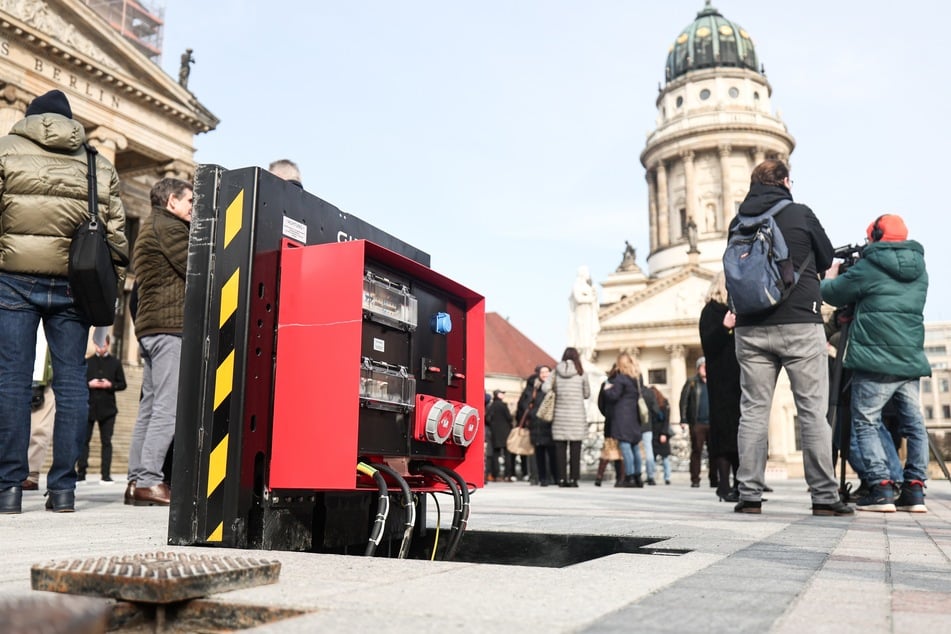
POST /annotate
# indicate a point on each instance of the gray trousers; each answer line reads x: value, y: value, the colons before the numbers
x: 801, y: 349
x: 155, y: 425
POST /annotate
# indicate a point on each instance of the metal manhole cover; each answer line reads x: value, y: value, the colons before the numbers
x: 154, y: 577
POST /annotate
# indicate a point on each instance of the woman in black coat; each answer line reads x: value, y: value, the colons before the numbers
x: 623, y: 391
x: 499, y: 420
x: 723, y: 385
x: 539, y: 430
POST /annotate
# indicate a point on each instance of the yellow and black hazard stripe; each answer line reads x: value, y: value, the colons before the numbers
x: 230, y: 268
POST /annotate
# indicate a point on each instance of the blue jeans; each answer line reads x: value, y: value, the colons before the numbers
x: 857, y: 461
x: 155, y: 425
x: 666, y: 462
x: 25, y: 301
x: 647, y: 440
x: 632, y: 458
x: 870, y: 393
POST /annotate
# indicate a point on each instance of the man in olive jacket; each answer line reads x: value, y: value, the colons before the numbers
x: 43, y: 198
x: 159, y: 261
x: 885, y: 351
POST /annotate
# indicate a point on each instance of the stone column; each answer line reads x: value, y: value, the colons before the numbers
x: 726, y: 193
x: 676, y: 379
x: 689, y: 189
x: 108, y: 142
x: 759, y: 155
x: 652, y: 207
x: 13, y: 103
x: 663, y: 207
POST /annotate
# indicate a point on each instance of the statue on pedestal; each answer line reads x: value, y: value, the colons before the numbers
x: 583, y: 323
x: 186, y: 69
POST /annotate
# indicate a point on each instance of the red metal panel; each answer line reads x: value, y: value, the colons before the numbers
x: 317, y: 378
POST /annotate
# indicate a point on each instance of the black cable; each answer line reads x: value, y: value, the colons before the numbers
x: 410, y: 521
x: 456, y: 498
x: 463, y: 523
x: 382, y: 509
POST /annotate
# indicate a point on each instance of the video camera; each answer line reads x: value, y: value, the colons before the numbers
x: 849, y: 254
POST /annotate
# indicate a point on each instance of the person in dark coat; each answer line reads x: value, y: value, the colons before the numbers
x: 499, y: 420
x: 623, y: 391
x: 723, y: 383
x: 540, y: 431
x: 105, y: 377
x: 611, y: 448
x: 660, y: 426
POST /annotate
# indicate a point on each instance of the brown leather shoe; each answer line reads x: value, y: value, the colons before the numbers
x: 29, y: 485
x: 157, y: 495
x: 129, y: 497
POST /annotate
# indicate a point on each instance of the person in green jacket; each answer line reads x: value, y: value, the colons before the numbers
x: 885, y: 351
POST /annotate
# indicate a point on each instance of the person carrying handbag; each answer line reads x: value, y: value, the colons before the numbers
x: 44, y: 198
x: 528, y: 403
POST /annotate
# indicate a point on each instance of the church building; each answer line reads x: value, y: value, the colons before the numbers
x: 715, y: 123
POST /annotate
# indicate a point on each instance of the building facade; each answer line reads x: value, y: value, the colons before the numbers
x: 137, y: 116
x: 936, y: 389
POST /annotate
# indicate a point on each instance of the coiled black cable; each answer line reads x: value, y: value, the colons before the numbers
x: 408, y: 504
x: 464, y: 520
x: 382, y: 509
x: 450, y: 481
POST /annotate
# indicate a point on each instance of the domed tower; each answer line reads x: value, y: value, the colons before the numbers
x: 714, y: 124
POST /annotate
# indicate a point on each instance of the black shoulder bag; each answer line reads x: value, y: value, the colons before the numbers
x: 92, y: 274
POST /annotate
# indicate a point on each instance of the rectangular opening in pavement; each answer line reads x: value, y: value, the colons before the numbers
x: 550, y: 550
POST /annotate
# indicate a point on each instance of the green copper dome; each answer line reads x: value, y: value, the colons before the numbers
x: 710, y: 41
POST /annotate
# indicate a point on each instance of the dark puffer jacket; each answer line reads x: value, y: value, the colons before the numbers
x: 159, y: 261
x: 888, y: 286
x: 43, y: 195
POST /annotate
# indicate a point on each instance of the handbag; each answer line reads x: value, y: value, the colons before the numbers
x: 610, y: 450
x: 93, y: 279
x: 546, y: 410
x: 642, y: 408
x: 519, y: 442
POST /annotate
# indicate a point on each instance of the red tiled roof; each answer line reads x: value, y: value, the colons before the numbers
x: 508, y: 351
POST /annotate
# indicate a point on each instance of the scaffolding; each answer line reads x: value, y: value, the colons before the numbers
x: 139, y: 21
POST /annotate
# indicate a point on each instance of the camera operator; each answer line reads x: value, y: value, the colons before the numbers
x: 885, y: 352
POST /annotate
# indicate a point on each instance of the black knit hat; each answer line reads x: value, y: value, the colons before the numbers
x: 54, y: 102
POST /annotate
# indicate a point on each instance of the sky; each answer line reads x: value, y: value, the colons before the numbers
x: 503, y: 136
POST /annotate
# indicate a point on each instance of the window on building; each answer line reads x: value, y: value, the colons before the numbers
x: 683, y: 223
x: 705, y: 94
x: 943, y: 384
x: 657, y: 377
x: 936, y: 349
x: 680, y: 101
x: 929, y: 412
x: 946, y: 411
x: 734, y: 92
x: 925, y: 386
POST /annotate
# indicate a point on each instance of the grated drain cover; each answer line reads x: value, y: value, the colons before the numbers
x: 154, y: 577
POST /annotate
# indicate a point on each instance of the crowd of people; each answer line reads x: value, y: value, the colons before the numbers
x: 725, y: 406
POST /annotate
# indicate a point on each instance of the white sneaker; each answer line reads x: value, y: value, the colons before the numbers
x: 107, y: 482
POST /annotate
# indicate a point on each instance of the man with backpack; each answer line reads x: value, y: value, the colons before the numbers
x: 788, y: 334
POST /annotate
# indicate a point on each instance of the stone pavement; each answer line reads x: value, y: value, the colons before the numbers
x: 782, y: 571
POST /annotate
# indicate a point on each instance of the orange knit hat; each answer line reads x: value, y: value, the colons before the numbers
x: 887, y: 228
